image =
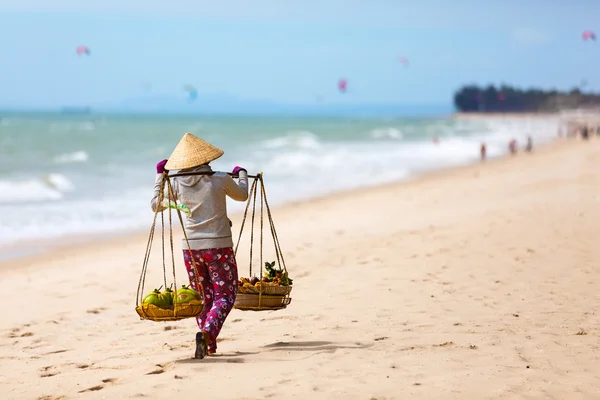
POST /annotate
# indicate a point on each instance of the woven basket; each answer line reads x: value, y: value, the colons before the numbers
x: 173, y: 313
x: 251, y: 301
x: 277, y: 290
x: 267, y: 289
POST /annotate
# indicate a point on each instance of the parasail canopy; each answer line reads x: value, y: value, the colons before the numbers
x: 192, y: 92
x: 81, y: 50
x: 586, y: 35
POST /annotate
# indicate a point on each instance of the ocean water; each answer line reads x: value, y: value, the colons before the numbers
x: 76, y: 174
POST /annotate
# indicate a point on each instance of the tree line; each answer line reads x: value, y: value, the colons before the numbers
x: 472, y: 98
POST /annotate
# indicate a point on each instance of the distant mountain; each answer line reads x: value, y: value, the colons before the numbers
x: 225, y: 104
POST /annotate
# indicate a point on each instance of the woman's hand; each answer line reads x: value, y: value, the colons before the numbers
x: 237, y: 170
x: 160, y: 167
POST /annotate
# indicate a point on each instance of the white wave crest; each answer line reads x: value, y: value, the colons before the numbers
x: 386, y: 133
x: 78, y: 156
x: 87, y: 126
x: 50, y: 187
x: 294, y: 139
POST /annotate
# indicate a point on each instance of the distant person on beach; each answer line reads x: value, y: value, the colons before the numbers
x: 529, y: 146
x: 598, y: 130
x: 483, y: 151
x: 585, y: 134
x: 512, y: 147
x: 208, y: 230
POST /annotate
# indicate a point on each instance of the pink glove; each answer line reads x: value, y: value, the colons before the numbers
x: 160, y: 167
x: 237, y: 170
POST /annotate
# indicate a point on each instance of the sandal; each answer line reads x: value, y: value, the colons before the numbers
x: 201, y: 348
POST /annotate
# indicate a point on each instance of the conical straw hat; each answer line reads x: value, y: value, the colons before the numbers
x: 191, y: 152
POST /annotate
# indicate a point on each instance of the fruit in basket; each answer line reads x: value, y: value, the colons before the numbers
x: 167, y: 296
x: 243, y: 281
x: 153, y: 298
x: 254, y: 280
x: 279, y: 276
x: 286, y: 280
x: 187, y: 294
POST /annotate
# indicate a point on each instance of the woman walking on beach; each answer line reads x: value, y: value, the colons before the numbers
x: 208, y: 230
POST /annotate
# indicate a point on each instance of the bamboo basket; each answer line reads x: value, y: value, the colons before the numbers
x: 179, y: 310
x: 257, y: 302
x: 173, y: 313
x: 263, y: 297
x: 267, y: 289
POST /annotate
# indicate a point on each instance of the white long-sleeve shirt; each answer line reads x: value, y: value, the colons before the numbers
x: 205, y: 196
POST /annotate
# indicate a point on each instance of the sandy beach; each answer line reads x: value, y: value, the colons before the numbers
x: 479, y: 282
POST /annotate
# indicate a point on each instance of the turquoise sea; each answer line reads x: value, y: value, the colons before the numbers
x: 74, y: 174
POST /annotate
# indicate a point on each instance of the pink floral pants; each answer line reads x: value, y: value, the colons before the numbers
x: 218, y: 276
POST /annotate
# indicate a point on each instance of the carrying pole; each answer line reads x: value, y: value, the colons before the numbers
x: 207, y: 173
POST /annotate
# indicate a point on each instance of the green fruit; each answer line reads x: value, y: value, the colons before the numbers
x: 166, y: 298
x: 152, y: 297
x: 286, y: 280
x: 187, y: 294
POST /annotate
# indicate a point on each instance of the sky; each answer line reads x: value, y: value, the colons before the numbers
x: 289, y: 52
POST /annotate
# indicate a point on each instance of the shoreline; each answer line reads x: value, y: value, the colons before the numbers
x: 20, y: 252
x: 579, y: 115
x: 46, y: 230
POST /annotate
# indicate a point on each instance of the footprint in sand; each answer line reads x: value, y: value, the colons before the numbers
x: 56, y: 352
x: 171, y: 327
x: 52, y: 370
x: 16, y: 332
x: 177, y: 346
x: 162, y: 368
x: 50, y: 398
x: 96, y: 310
x: 46, y: 372
x: 105, y: 382
x: 445, y: 344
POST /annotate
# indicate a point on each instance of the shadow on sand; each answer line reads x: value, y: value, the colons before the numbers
x: 313, y: 347
x: 233, y: 358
